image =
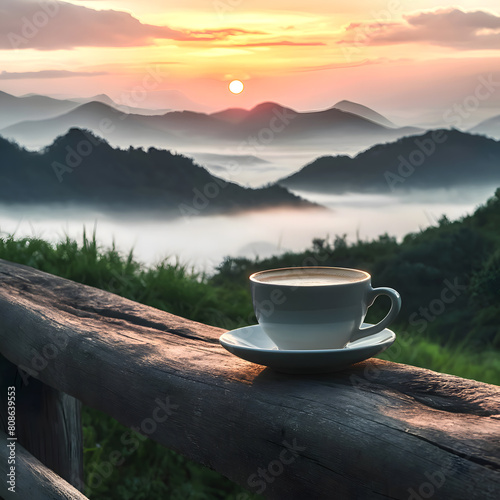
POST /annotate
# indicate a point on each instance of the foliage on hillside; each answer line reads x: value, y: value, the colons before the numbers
x: 436, y: 159
x: 83, y: 169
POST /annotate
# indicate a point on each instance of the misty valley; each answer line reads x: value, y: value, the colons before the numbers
x: 237, y: 182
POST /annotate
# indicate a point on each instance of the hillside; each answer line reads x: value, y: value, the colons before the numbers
x: 80, y: 168
x: 437, y: 159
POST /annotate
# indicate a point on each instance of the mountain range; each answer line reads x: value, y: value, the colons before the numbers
x: 83, y: 169
x: 393, y: 157
x: 436, y: 159
x: 34, y: 107
x: 31, y: 107
x: 118, y: 128
x: 34, y: 121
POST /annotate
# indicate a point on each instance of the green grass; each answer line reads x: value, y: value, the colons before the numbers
x: 483, y: 366
x: 172, y: 287
x: 149, y: 471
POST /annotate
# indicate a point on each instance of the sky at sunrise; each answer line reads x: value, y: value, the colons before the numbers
x: 400, y: 57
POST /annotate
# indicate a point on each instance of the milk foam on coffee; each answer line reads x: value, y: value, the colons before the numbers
x: 310, y: 279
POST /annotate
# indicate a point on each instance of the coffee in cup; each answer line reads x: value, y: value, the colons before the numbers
x: 304, y: 308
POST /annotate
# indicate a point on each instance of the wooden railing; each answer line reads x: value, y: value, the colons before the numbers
x: 377, y: 430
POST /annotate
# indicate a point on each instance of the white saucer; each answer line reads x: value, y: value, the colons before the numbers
x: 252, y: 343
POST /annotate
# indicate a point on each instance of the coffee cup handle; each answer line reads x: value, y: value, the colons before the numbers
x: 391, y: 315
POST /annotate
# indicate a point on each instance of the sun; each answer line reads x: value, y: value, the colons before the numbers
x: 236, y: 87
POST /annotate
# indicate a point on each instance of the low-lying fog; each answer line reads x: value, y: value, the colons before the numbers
x: 202, y: 242
x: 254, y: 167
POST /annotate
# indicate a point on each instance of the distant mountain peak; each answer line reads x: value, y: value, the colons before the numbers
x: 95, y: 105
x: 104, y: 98
x: 265, y: 107
x: 345, y: 102
x: 231, y: 115
x: 231, y: 110
x: 364, y: 111
x: 94, y: 109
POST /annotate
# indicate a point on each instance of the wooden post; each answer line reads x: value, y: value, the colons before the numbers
x: 35, y: 481
x: 47, y: 423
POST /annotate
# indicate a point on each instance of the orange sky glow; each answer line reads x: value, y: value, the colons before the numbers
x: 396, y: 56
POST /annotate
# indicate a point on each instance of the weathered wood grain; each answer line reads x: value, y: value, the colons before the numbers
x: 34, y: 480
x: 378, y: 430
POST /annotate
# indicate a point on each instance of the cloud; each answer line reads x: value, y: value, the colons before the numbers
x: 477, y: 30
x: 280, y: 43
x: 323, y: 67
x: 220, y: 34
x: 6, y: 75
x: 53, y: 25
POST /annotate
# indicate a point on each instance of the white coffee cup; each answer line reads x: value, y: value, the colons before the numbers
x: 317, y: 307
